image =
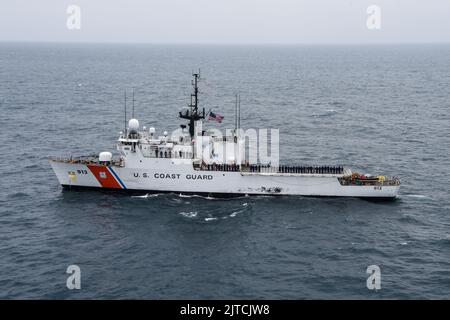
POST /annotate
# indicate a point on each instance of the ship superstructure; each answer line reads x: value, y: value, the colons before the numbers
x: 197, y: 161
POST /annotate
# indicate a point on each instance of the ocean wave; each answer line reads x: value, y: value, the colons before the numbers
x: 181, y: 195
x: 419, y: 196
x: 196, y: 196
x: 444, y: 241
x: 148, y: 195
x: 216, y: 214
x: 191, y: 214
x: 184, y: 195
x: 337, y: 103
x: 327, y: 113
x: 18, y: 195
x: 410, y: 218
x: 32, y: 166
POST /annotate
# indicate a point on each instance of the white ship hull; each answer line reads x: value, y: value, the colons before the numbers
x: 158, y: 176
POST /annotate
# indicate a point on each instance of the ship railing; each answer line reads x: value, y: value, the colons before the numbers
x: 221, y: 167
x: 322, y: 170
x: 87, y: 160
x: 74, y: 159
x: 261, y: 168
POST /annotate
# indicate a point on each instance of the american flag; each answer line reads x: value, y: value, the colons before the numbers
x: 215, y: 117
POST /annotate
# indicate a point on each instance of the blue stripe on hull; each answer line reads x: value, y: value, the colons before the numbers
x: 117, y: 177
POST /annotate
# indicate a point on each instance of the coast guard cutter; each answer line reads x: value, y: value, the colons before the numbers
x: 194, y: 162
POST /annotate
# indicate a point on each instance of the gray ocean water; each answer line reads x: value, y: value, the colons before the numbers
x: 378, y: 109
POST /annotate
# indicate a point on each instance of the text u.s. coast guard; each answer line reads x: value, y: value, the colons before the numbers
x: 174, y: 176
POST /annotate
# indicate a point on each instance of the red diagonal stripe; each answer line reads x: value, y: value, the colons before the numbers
x: 105, y: 177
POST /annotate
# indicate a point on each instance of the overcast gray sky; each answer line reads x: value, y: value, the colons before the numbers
x: 226, y: 21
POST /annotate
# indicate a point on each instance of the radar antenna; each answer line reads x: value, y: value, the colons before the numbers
x: 132, y: 113
x: 193, y: 114
x: 125, y: 115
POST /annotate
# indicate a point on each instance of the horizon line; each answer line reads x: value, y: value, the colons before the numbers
x: 223, y: 43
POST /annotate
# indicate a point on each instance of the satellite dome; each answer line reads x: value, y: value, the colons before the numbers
x: 151, y: 130
x: 105, y: 156
x: 133, y: 124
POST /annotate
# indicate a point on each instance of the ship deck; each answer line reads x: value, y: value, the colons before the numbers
x: 87, y: 160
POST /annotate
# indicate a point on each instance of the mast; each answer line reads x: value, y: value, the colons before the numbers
x: 239, y: 112
x: 193, y: 114
x: 236, y: 115
x: 125, y: 115
x: 132, y: 110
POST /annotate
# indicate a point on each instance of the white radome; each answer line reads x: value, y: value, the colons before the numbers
x: 105, y: 156
x: 133, y: 124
